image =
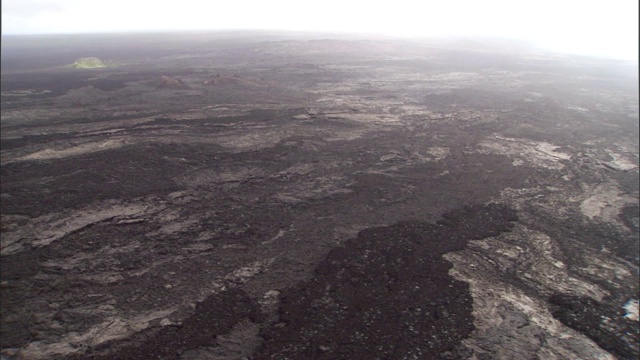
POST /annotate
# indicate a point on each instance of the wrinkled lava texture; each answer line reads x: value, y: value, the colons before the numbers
x: 214, y: 316
x: 258, y: 195
x: 385, y: 294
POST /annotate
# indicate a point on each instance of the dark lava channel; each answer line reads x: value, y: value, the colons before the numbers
x: 385, y: 294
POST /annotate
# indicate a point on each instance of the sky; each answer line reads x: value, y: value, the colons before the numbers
x: 604, y: 28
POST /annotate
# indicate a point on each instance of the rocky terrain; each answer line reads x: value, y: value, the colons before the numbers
x: 239, y: 195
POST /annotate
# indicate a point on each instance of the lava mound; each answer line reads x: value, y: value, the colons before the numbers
x: 88, y: 63
x: 225, y: 80
x: 167, y: 82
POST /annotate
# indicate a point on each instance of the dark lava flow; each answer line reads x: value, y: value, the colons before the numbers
x: 587, y: 316
x: 385, y: 294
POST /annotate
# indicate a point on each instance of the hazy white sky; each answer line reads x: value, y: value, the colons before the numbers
x: 593, y: 27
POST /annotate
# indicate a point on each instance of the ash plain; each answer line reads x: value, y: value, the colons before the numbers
x: 264, y: 195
